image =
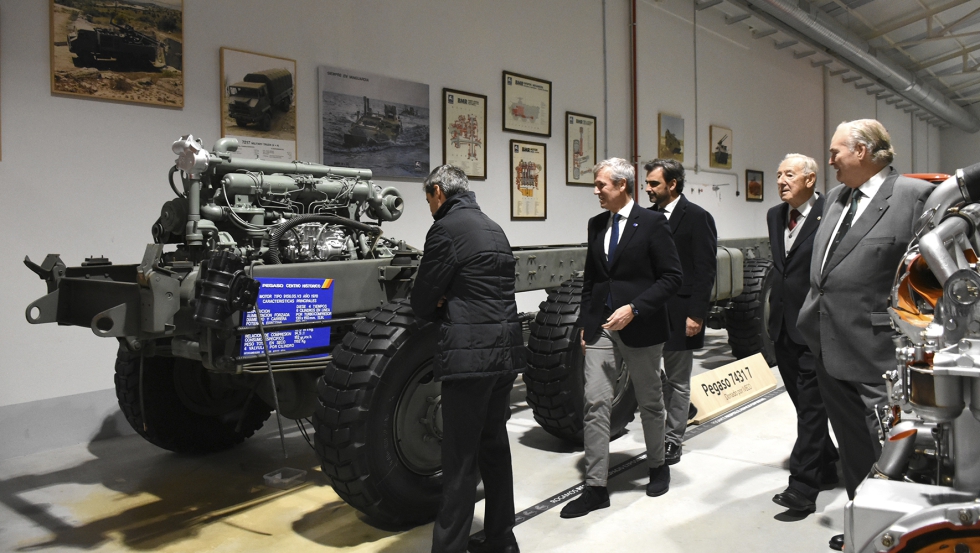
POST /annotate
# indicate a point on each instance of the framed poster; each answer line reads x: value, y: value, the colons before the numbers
x: 464, y: 124
x: 670, y: 133
x: 374, y: 122
x: 754, y: 185
x: 258, y: 104
x: 528, y: 181
x: 527, y: 104
x: 721, y: 148
x: 579, y: 148
x: 125, y: 50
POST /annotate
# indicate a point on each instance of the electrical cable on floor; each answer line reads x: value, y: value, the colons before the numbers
x: 304, y: 433
x: 272, y: 379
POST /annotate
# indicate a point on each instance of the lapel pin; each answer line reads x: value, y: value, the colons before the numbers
x: 635, y: 224
x: 819, y: 217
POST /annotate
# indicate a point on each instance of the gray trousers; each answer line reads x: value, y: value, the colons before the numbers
x: 677, y: 394
x: 603, y: 357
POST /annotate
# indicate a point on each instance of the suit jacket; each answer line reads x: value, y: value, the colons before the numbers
x: 696, y: 240
x: 844, y: 318
x: 791, y: 280
x: 645, y: 272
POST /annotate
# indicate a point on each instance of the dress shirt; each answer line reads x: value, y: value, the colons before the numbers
x: 669, y: 208
x: 623, y: 215
x: 868, y: 190
x: 789, y: 236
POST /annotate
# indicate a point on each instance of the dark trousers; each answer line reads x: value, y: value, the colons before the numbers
x: 814, y: 455
x: 851, y: 409
x: 474, y: 443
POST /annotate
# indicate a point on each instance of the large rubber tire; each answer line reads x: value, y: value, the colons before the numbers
x: 188, y: 409
x: 747, y: 319
x: 379, y: 421
x: 554, y: 377
x: 265, y: 123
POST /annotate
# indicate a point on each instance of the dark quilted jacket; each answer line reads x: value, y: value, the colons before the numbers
x: 468, y: 259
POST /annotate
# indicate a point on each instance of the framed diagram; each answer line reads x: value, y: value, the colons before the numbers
x: 527, y: 104
x: 258, y: 104
x: 464, y: 127
x: 125, y: 51
x: 580, y: 149
x: 670, y: 133
x: 528, y: 181
x: 373, y: 122
x: 754, y: 185
x: 721, y: 148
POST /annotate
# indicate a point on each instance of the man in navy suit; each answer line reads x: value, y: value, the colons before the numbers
x: 792, y: 226
x: 693, y: 231
x: 631, y: 270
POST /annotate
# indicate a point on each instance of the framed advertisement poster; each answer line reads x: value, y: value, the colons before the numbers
x: 374, y: 122
x: 527, y: 104
x: 528, y: 181
x: 721, y: 148
x: 125, y: 50
x: 754, y: 185
x: 258, y: 104
x: 579, y: 148
x: 464, y: 124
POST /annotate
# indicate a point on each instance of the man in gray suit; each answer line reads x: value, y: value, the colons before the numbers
x: 866, y: 228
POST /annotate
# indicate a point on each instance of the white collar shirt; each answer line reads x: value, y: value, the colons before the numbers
x: 789, y: 236
x: 669, y: 208
x: 623, y: 215
x: 868, y: 191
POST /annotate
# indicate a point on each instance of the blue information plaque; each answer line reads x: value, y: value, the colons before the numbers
x: 290, y: 300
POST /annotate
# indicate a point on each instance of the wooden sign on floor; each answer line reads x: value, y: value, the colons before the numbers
x: 720, y: 390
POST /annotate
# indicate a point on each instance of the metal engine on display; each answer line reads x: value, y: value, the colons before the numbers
x: 922, y: 494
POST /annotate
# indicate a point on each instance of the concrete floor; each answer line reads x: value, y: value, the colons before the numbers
x: 124, y: 494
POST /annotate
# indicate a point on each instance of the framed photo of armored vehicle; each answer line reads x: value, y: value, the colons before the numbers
x: 579, y: 148
x: 124, y: 50
x: 754, y: 185
x: 670, y: 133
x: 527, y: 104
x: 258, y: 104
x: 528, y: 181
x: 464, y: 127
x: 373, y: 122
x: 721, y: 148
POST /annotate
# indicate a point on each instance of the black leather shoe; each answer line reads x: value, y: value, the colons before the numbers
x: 480, y: 545
x: 672, y: 453
x: 837, y: 542
x: 659, y: 481
x: 592, y: 498
x: 794, y: 500
x: 692, y: 411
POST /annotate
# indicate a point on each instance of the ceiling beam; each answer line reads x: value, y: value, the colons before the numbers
x: 941, y: 59
x: 908, y: 20
x: 705, y: 4
x: 733, y: 19
x: 762, y: 34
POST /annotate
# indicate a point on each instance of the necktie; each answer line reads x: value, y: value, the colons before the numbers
x: 613, y: 239
x: 846, y: 224
x: 793, y: 216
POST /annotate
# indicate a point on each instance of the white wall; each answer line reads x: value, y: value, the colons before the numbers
x: 957, y: 148
x: 83, y: 177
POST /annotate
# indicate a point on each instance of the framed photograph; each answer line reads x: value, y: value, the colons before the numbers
x: 527, y: 104
x: 579, y: 148
x: 125, y: 50
x: 464, y: 127
x: 754, y: 185
x: 374, y: 122
x: 528, y: 181
x: 721, y: 148
x: 258, y: 104
x: 670, y: 131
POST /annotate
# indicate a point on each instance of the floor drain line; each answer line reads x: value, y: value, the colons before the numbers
x: 691, y: 432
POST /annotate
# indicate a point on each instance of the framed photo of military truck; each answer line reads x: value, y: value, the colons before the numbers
x: 528, y: 181
x: 258, y: 104
x: 527, y: 104
x: 464, y: 124
x: 125, y: 51
x: 580, y: 150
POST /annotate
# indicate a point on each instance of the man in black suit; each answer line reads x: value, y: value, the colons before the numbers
x: 792, y: 226
x: 694, y: 234
x: 868, y: 224
x: 631, y: 270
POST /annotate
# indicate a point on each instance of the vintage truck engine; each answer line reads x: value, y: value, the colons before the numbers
x: 923, y: 492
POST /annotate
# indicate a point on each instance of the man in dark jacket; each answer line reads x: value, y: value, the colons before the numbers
x: 465, y: 283
x: 694, y: 234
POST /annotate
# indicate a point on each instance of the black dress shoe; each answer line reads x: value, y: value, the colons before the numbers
x: 794, y: 500
x: 692, y: 411
x: 592, y: 498
x: 672, y: 453
x: 480, y: 545
x: 837, y: 542
x: 659, y: 481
